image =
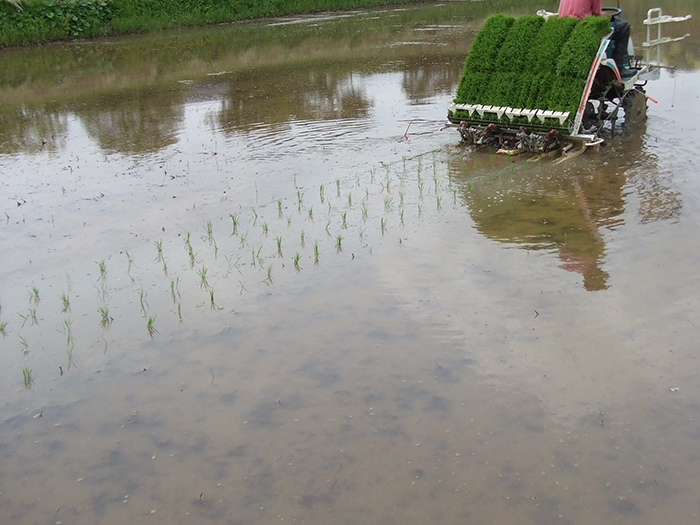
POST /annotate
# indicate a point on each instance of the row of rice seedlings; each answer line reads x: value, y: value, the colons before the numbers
x: 257, y: 255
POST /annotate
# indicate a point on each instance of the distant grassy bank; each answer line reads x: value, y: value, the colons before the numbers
x: 37, y: 21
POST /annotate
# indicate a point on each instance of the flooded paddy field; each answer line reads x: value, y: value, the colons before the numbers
x: 247, y: 277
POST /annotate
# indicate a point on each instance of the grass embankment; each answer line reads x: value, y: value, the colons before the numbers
x: 531, y: 63
x: 37, y: 21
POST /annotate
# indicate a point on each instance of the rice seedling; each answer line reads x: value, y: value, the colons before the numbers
x: 3, y: 328
x: 321, y: 191
x: 268, y: 280
x: 289, y: 221
x: 252, y: 254
x: 454, y: 196
x: 339, y: 243
x: 202, y: 272
x: 234, y: 224
x: 401, y: 197
x: 243, y: 288
x: 311, y: 213
x: 24, y: 318
x: 388, y: 203
x: 469, y: 186
x: 243, y: 239
x: 365, y: 211
x: 65, y: 303
x: 175, y: 289
x: 257, y: 254
x: 316, y: 253
x: 67, y: 324
x: 436, y: 181
x: 349, y: 200
x: 382, y: 224
x: 27, y: 377
x: 420, y: 188
x: 357, y: 181
x: 129, y: 260
x: 404, y: 162
x: 439, y: 202
x: 192, y: 255
x: 212, y: 304
x: 106, y: 320
x: 337, y: 186
x: 297, y: 258
x: 328, y: 225
x: 209, y: 230
x: 300, y: 199
x: 32, y: 316
x: 102, y: 269
x: 344, y: 217
x: 159, y: 250
x: 143, y: 301
x: 420, y: 210
x: 179, y: 312
x: 255, y: 216
x: 401, y: 216
x: 279, y: 245
x: 69, y: 353
x: 24, y: 345
x: 303, y: 238
x: 187, y: 239
x: 371, y: 175
x: 150, y: 325
x: 265, y: 229
x: 279, y: 208
x: 165, y: 267
x: 34, y: 295
x: 216, y: 250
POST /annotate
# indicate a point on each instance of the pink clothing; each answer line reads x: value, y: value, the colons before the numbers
x: 580, y: 8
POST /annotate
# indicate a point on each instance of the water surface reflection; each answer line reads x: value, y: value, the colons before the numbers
x: 291, y: 296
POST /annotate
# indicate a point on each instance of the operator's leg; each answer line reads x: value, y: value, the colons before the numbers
x: 621, y: 36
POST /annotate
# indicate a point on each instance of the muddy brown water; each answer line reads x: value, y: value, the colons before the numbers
x: 352, y: 318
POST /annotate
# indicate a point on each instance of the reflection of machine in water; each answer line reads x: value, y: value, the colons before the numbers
x: 559, y: 214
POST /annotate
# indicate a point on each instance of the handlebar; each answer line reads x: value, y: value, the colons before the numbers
x: 612, y: 11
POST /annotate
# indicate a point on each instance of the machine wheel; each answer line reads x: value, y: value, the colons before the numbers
x: 634, y: 104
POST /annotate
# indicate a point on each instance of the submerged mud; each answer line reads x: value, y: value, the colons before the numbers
x: 264, y: 284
